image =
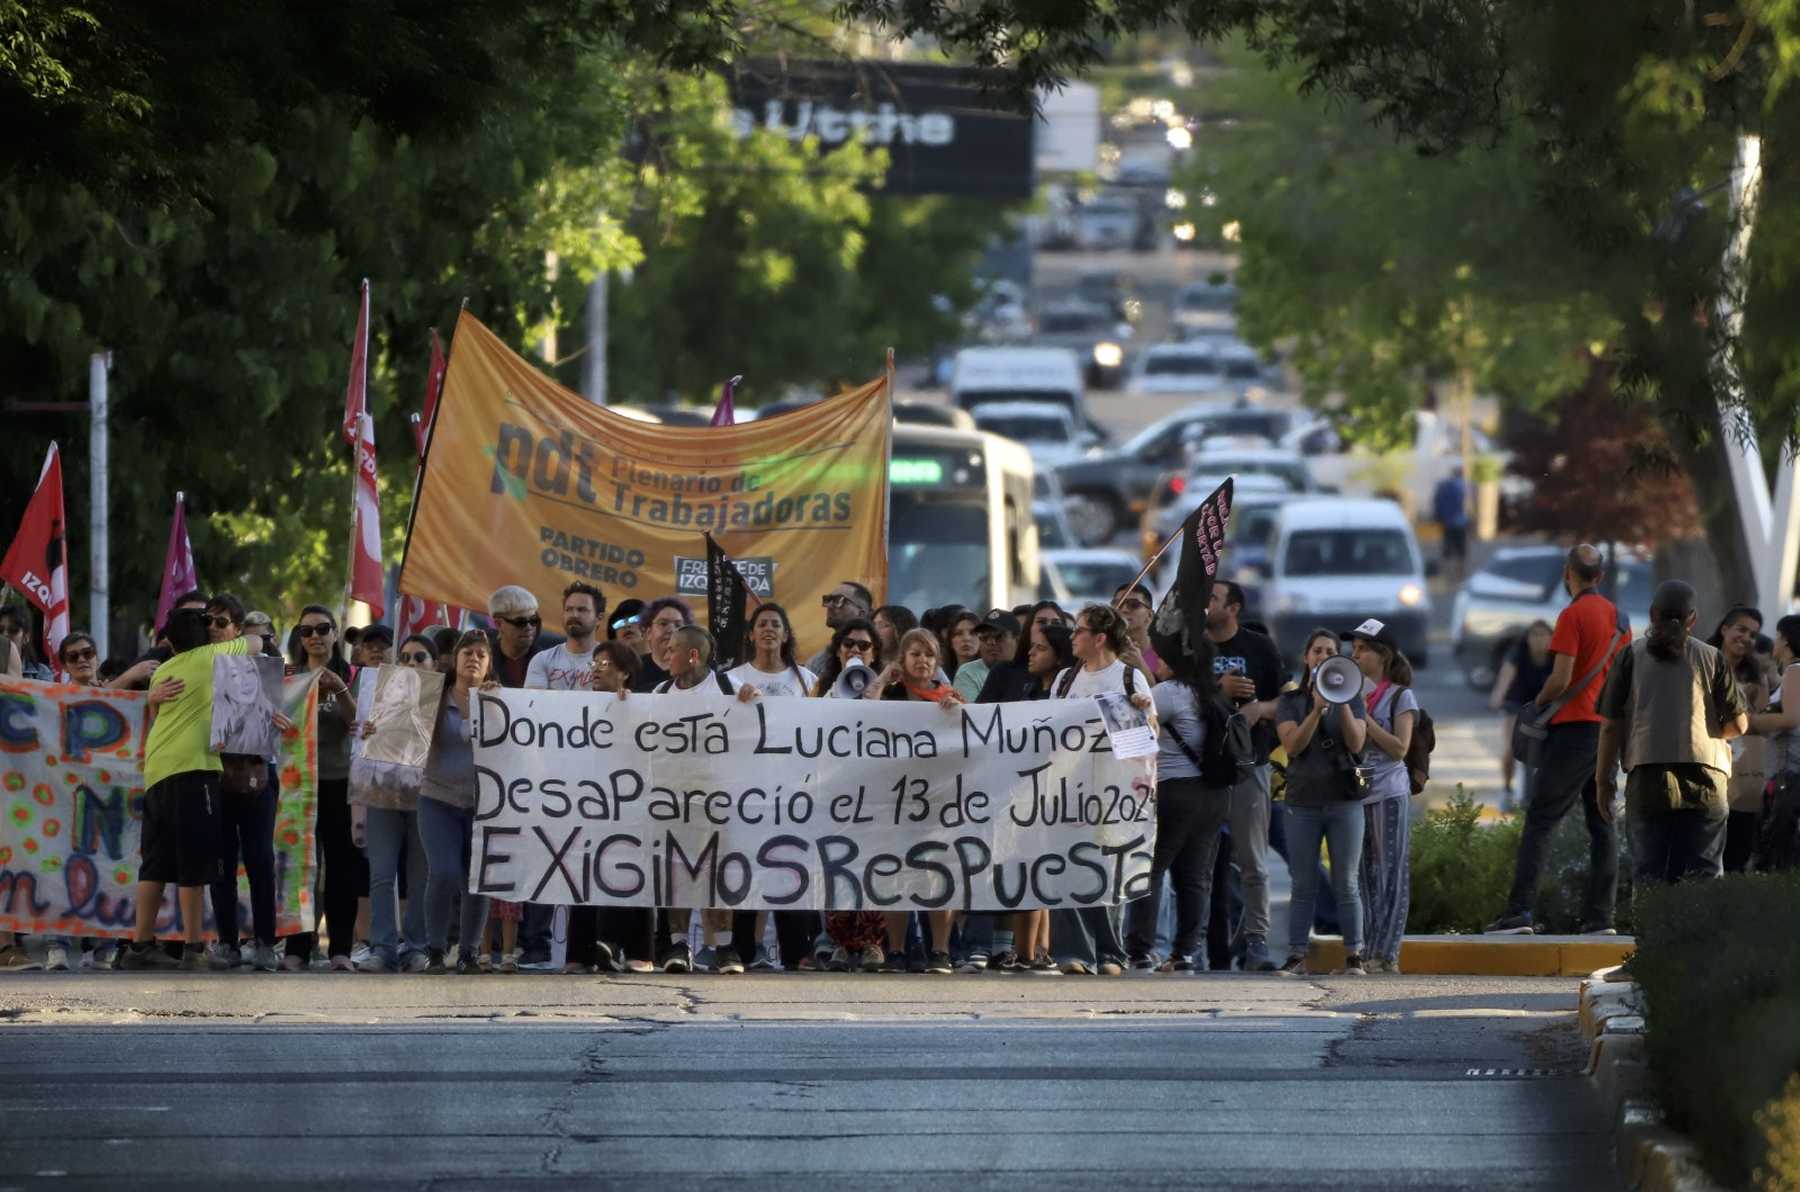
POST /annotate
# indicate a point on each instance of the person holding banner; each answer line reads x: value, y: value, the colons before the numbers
x: 890, y: 621
x: 662, y: 617
x: 180, y: 841
x: 567, y: 665
x: 612, y: 939
x: 395, y: 852
x: 915, y: 676
x: 346, y: 871
x: 447, y: 810
x: 1086, y: 939
x: 249, y: 796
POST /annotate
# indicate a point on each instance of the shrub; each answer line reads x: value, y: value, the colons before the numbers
x: 1779, y: 1121
x: 1721, y: 981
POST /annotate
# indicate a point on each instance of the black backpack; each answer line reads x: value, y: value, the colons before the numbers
x: 1228, y: 754
x: 1418, y: 752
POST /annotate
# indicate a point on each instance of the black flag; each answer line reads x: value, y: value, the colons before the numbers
x: 726, y: 593
x: 1181, y: 618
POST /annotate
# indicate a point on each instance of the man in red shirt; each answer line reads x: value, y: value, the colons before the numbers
x: 1589, y: 633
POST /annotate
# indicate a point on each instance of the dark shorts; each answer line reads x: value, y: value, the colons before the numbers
x: 181, y: 835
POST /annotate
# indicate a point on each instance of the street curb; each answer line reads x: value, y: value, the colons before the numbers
x: 1651, y: 1156
x: 1491, y: 955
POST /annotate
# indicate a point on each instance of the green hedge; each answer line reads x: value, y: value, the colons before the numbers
x: 1462, y: 871
x: 1719, y: 963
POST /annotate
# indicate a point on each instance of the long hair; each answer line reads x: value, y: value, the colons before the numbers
x: 1669, y: 611
x: 1788, y: 630
x: 1193, y: 667
x: 1062, y: 644
x: 297, y: 650
x: 901, y: 618
x: 1749, y: 670
x: 787, y: 628
x: 834, y: 666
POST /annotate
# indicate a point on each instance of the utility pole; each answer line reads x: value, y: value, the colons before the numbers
x: 99, y: 571
x: 593, y: 365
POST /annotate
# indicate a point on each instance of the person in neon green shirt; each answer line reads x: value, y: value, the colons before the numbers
x: 181, y: 822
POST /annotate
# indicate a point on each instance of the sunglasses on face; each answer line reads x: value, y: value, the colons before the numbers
x: 221, y: 621
x: 624, y: 622
x: 833, y: 600
x: 80, y: 656
x: 522, y: 622
x: 310, y: 630
x: 858, y: 644
x: 416, y: 657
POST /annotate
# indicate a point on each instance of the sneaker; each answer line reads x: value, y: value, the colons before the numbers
x: 1043, y: 966
x: 894, y: 962
x: 840, y: 961
x: 871, y: 958
x: 223, y: 957
x: 104, y: 956
x: 509, y: 963
x: 15, y: 959
x: 608, y: 961
x: 939, y: 964
x: 194, y: 960
x: 374, y: 962
x: 544, y: 965
x: 677, y: 959
x: 705, y: 959
x: 1178, y: 964
x: 434, y: 963
x: 726, y: 961
x: 56, y: 958
x: 485, y: 962
x: 293, y: 964
x: 146, y: 956
x: 1004, y: 962
x: 469, y: 966
x: 639, y: 966
x: 342, y: 964
x: 1111, y: 968
x: 765, y: 961
x: 1353, y: 967
x: 974, y: 962
x: 1256, y: 956
x: 1075, y: 968
x: 1295, y: 966
x: 1144, y: 964
x: 264, y: 960
x: 1510, y: 924
x: 1598, y: 929
x: 360, y: 953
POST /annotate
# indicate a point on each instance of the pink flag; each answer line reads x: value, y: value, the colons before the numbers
x: 365, y: 567
x: 37, y: 562
x: 356, y: 391
x: 725, y: 414
x: 434, y: 388
x: 179, y: 576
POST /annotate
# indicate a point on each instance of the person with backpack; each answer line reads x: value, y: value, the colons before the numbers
x: 1393, y: 715
x: 1324, y: 795
x: 1196, y: 768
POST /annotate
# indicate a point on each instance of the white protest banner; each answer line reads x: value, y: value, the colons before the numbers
x: 697, y: 800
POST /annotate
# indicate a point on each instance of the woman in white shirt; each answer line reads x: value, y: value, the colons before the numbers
x: 772, y: 669
x: 1086, y: 939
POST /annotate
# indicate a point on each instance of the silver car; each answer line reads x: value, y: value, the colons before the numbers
x: 1522, y: 584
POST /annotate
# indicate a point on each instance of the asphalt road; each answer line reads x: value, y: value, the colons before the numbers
x: 132, y: 1080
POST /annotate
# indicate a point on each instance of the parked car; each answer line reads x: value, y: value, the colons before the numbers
x: 1093, y: 333
x: 1264, y: 470
x: 1177, y: 368
x: 1048, y: 431
x: 1108, y: 222
x: 924, y: 413
x: 1206, y: 307
x: 1521, y: 584
x: 1037, y: 374
x: 1336, y: 562
x: 1082, y: 577
x: 1048, y: 512
x: 1113, y: 291
x: 1241, y: 368
x: 1107, y: 491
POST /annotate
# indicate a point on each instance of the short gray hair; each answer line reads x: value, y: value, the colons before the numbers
x: 512, y: 601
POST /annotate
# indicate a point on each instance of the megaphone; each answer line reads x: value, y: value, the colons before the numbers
x: 854, y: 681
x: 1338, y: 679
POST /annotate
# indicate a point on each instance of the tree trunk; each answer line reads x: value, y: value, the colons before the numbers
x: 1708, y: 471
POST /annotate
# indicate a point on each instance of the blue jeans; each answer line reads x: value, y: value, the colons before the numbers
x: 447, y: 833
x: 1088, y: 934
x: 1325, y: 913
x: 1340, y: 826
x: 389, y: 835
x: 1677, y: 846
x: 247, y: 824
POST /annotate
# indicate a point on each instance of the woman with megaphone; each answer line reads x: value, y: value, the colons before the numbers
x: 1393, y: 712
x: 1322, y: 728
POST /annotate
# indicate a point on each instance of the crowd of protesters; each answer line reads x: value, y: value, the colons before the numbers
x: 1319, y: 773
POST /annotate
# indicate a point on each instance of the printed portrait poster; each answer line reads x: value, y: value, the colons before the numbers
x: 525, y: 482
x: 246, y: 694
x: 399, y: 705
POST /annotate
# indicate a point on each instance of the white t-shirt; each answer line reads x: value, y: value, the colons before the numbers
x: 1090, y: 683
x: 560, y: 669
x: 789, y: 680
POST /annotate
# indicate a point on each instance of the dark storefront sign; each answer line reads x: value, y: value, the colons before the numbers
x: 943, y: 133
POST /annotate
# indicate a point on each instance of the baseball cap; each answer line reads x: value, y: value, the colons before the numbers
x: 1000, y: 621
x: 1375, y: 631
x: 378, y: 633
x: 258, y: 617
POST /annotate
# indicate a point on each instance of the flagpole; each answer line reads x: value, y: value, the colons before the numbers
x: 1139, y: 577
x: 99, y: 578
x: 356, y: 456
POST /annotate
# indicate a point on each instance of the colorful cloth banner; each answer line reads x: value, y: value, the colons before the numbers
x: 72, y: 790
x: 528, y: 483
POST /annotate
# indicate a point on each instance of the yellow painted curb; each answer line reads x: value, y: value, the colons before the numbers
x: 1491, y: 955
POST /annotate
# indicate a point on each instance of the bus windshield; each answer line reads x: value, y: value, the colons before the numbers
x: 938, y: 549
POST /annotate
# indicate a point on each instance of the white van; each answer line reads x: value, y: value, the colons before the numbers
x: 1333, y: 563
x: 984, y: 375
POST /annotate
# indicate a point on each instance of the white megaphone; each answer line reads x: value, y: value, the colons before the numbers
x: 855, y: 680
x: 1338, y: 679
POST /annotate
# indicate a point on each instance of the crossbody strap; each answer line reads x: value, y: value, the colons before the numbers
x: 1560, y: 702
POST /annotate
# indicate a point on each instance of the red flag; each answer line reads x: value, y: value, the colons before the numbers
x: 356, y: 392
x: 179, y: 575
x: 725, y: 414
x: 434, y: 388
x: 418, y: 614
x: 37, y: 561
x: 365, y: 567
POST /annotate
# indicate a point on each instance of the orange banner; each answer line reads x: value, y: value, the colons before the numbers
x: 527, y: 483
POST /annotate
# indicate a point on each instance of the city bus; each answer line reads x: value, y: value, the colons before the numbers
x: 960, y: 529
